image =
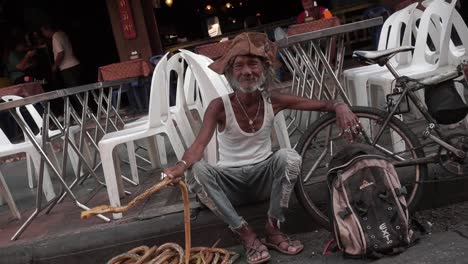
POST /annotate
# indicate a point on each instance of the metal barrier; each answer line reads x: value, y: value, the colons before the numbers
x: 104, y: 116
x: 315, y: 60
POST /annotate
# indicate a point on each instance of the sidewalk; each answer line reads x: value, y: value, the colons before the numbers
x: 440, y: 248
x: 63, y: 238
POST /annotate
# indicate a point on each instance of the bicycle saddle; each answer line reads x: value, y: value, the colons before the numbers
x: 379, y: 56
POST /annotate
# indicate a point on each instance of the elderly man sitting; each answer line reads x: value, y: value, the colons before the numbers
x: 247, y: 170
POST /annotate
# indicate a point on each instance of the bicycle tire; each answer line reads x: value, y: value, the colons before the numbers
x: 319, y: 212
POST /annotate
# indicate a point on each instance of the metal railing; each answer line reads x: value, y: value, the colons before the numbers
x: 96, y: 109
x: 315, y: 59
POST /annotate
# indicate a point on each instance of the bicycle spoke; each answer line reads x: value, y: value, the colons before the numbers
x: 316, y: 164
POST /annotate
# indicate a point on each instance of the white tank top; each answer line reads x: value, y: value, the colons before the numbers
x: 237, y: 147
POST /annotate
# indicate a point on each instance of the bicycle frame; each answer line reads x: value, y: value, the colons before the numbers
x: 409, y: 89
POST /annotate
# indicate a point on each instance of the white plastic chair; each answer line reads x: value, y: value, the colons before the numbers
x: 72, y: 156
x: 391, y: 36
x: 179, y: 111
x: 441, y: 15
x: 33, y: 160
x: 160, y: 121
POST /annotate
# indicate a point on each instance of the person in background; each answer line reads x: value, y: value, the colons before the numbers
x: 20, y: 61
x: 312, y: 11
x: 65, y: 61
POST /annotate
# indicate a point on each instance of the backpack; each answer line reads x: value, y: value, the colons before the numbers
x: 368, y: 208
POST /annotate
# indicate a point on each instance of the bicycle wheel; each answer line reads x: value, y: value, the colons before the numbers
x: 322, y: 140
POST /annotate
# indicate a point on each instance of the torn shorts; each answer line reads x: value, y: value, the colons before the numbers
x: 220, y: 188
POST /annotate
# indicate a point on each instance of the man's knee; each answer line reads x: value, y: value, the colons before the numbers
x: 290, y: 161
x: 198, y: 176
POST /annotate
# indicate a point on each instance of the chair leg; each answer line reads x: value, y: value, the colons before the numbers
x: 112, y: 177
x: 47, y: 186
x: 176, y: 142
x: 281, y: 131
x: 31, y: 173
x: 162, y: 149
x: 5, y: 193
x: 153, y: 152
x: 132, y: 161
x: 53, y: 156
x: 73, y: 157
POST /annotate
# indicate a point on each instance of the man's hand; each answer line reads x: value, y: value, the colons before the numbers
x: 175, y: 172
x: 347, y: 121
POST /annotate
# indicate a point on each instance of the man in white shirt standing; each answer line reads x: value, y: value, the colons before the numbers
x: 64, y: 60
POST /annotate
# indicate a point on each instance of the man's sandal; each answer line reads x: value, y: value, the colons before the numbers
x: 290, y: 243
x: 255, y: 248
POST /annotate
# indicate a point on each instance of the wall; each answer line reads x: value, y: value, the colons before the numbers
x: 125, y: 46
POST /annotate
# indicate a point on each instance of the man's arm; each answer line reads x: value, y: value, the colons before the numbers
x: 58, y: 49
x: 345, y: 118
x: 58, y: 61
x: 195, y: 152
x: 285, y: 101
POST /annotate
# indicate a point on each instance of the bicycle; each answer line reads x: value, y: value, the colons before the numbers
x: 387, y: 133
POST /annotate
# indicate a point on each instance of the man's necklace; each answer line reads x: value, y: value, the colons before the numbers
x: 251, y: 121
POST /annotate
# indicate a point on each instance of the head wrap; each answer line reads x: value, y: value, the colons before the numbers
x: 247, y: 43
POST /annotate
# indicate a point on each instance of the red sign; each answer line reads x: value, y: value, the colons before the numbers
x: 126, y: 19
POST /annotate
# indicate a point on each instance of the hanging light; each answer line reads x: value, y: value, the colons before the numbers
x: 229, y: 5
x: 208, y: 7
x: 169, y: 2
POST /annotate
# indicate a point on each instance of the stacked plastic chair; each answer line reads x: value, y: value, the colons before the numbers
x: 425, y: 63
x: 180, y: 113
x: 397, y: 31
x: 160, y: 122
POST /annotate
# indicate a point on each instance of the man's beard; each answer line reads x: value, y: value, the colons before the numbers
x: 259, y: 82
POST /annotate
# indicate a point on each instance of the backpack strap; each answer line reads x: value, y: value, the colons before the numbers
x: 401, y: 191
x: 343, y: 214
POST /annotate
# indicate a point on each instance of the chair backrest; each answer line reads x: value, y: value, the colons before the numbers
x: 213, y: 85
x: 398, y: 31
x: 438, y: 13
x: 158, y: 111
x: 4, y: 140
x: 458, y: 53
x: 30, y: 108
x: 176, y: 65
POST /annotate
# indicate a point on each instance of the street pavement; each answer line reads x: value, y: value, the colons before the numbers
x: 446, y: 247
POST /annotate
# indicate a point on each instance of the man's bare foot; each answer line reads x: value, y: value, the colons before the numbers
x: 277, y: 240
x: 255, y: 251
